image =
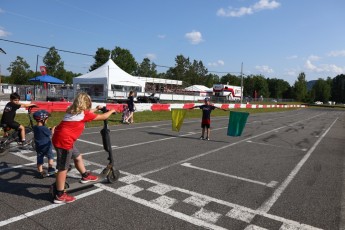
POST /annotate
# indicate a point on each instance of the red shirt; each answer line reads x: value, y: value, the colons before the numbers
x: 70, y: 129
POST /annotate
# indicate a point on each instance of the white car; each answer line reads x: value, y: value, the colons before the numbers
x: 318, y: 102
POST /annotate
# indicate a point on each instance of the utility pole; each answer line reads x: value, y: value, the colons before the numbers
x: 1, y: 51
x: 241, y: 82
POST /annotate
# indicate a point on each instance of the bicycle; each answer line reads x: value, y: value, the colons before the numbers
x: 12, y: 137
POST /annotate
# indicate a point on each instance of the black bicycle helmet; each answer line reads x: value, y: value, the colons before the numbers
x: 41, y: 115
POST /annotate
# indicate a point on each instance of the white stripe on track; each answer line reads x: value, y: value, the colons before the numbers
x: 44, y: 209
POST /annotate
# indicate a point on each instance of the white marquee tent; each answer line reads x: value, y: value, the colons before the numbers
x: 200, y: 90
x: 102, y: 82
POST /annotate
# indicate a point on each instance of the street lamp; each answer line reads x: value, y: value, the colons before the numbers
x: 241, y: 82
x: 1, y: 51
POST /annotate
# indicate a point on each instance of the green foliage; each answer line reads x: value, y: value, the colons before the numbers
x: 124, y: 59
x: 101, y: 57
x: 321, y: 91
x: 19, y: 70
x: 146, y: 69
x: 300, y: 88
x: 53, y: 63
x: 338, y: 89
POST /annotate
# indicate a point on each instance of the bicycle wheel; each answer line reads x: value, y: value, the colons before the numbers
x: 29, y: 137
x: 4, y: 148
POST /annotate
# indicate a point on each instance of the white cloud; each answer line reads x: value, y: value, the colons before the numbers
x: 326, y: 68
x: 264, y: 69
x: 1, y: 11
x: 4, y: 33
x: 337, y: 53
x: 194, y: 37
x: 161, y: 36
x: 151, y: 56
x: 217, y: 63
x: 292, y: 57
x: 239, y: 12
x: 314, y: 58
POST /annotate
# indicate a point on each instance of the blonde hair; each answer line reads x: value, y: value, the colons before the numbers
x: 81, y: 102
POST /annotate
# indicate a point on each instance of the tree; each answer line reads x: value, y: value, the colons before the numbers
x: 124, y: 59
x: 146, y: 69
x: 181, y: 67
x: 322, y: 90
x: 230, y: 79
x: 278, y: 88
x: 300, y: 88
x: 338, y: 89
x: 53, y: 63
x: 102, y: 56
x: 20, y: 72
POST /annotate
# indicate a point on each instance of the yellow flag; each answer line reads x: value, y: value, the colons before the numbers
x: 177, y: 116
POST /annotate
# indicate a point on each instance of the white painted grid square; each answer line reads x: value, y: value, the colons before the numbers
x: 240, y: 215
x: 196, y: 201
x: 164, y: 201
x: 129, y: 189
x: 160, y: 189
x: 207, y: 215
x: 130, y: 179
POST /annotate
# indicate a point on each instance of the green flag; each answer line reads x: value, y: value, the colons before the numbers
x: 237, y: 121
x: 177, y: 116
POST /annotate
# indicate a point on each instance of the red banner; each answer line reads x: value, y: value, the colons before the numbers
x: 43, y: 70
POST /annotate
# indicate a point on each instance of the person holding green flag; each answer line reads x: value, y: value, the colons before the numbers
x: 206, y: 118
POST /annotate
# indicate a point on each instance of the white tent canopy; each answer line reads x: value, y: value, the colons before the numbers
x: 199, y: 88
x: 106, y: 78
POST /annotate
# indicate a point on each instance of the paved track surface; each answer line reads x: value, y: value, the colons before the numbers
x: 286, y: 171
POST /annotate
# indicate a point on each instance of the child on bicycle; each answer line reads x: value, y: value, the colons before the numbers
x: 64, y: 137
x: 7, y: 119
x: 43, y: 143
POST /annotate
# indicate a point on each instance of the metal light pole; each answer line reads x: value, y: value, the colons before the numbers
x: 1, y: 51
x: 241, y: 82
x: 35, y: 78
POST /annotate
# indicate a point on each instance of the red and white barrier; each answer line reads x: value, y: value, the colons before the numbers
x: 62, y: 106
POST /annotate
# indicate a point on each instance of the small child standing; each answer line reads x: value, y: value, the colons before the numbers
x: 65, y: 135
x: 43, y: 143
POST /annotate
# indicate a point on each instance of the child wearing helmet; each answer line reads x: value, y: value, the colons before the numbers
x: 43, y: 143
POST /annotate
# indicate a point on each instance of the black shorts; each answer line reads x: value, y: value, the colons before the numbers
x: 13, y: 125
x: 63, y: 157
x: 205, y: 126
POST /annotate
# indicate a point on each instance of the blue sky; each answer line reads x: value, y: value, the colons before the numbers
x: 275, y: 38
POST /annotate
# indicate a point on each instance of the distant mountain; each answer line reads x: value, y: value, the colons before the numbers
x: 310, y: 84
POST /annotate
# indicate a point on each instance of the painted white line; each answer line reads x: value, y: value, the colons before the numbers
x: 89, y: 142
x: 162, y: 209
x: 16, y: 167
x: 270, y: 184
x: 266, y: 206
x: 223, y: 147
x: 198, y: 200
x: 44, y: 209
x: 279, y: 146
x: 342, y: 205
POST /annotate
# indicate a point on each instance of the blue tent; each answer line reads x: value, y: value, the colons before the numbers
x: 47, y: 79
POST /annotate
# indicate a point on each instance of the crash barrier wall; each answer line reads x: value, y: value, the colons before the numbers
x: 62, y: 106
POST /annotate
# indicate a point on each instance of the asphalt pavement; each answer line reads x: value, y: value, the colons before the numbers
x: 286, y: 171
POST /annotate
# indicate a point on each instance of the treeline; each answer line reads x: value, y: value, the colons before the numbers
x: 191, y: 72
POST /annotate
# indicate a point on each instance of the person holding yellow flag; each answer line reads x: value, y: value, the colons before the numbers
x: 206, y: 118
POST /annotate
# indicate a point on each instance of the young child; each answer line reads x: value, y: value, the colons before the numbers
x: 206, y: 118
x: 43, y: 143
x: 7, y: 119
x: 125, y: 113
x: 131, y: 108
x: 64, y: 137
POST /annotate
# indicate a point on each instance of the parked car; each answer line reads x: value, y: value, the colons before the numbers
x: 318, y: 102
x: 148, y: 99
